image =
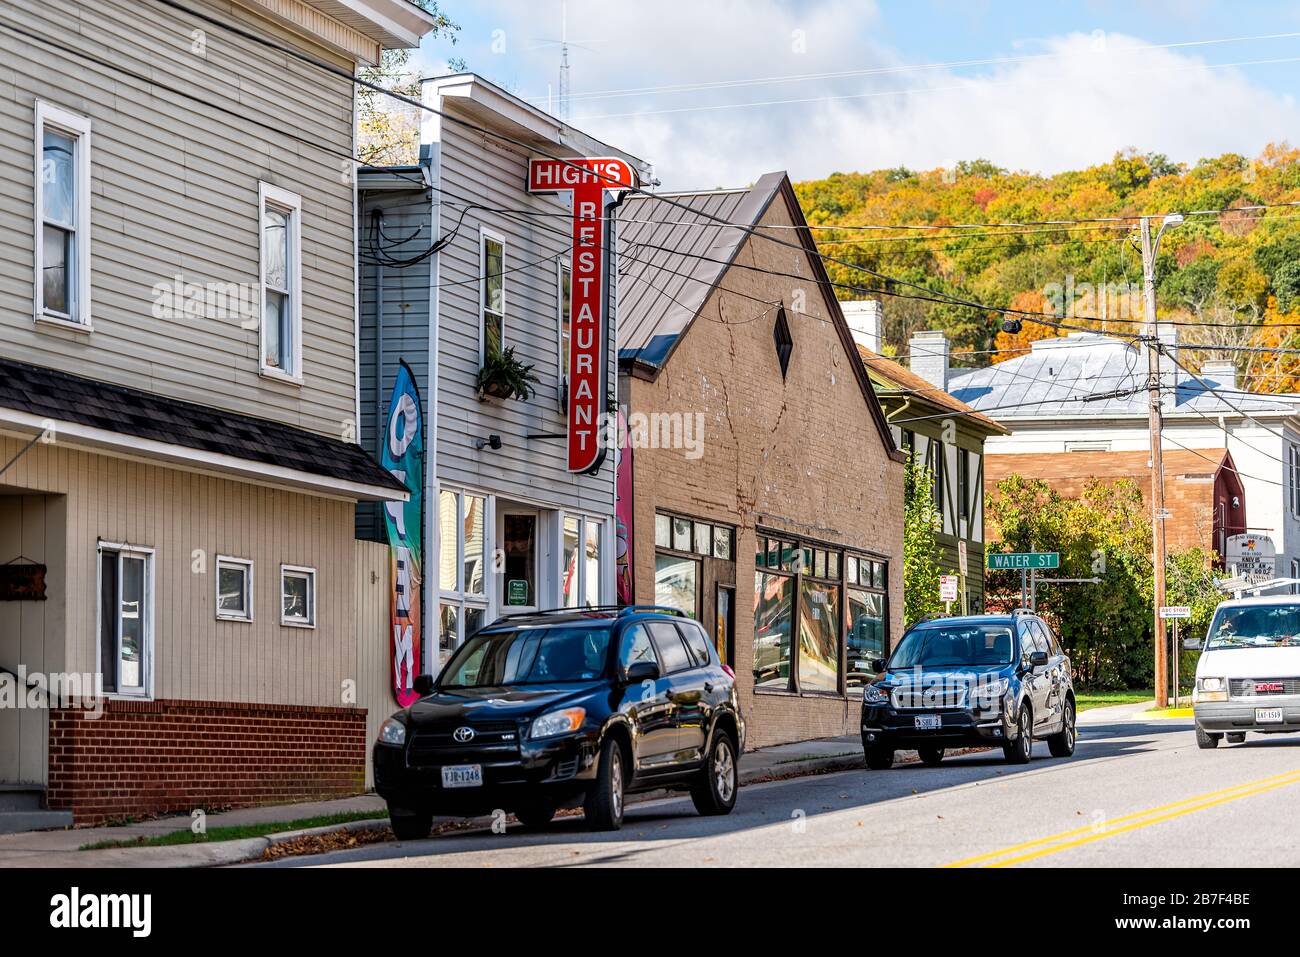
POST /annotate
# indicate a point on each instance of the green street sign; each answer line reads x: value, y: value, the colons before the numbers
x: 1016, y: 561
x: 517, y: 592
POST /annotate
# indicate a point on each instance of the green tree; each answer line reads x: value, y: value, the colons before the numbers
x: 388, y: 129
x: 921, y: 522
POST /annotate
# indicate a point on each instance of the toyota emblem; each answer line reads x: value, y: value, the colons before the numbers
x: 463, y: 734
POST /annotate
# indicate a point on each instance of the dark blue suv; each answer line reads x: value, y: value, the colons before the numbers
x: 978, y: 681
x: 555, y: 709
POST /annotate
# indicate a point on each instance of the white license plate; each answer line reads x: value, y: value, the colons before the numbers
x: 463, y: 776
x: 928, y: 722
x: 1268, y: 715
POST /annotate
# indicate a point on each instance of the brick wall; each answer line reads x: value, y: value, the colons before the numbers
x: 800, y: 454
x: 153, y: 757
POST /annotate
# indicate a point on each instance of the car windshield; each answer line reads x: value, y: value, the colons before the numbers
x: 1255, y: 626
x: 935, y: 646
x: 529, y: 656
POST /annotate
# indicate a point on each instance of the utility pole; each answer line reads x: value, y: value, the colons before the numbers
x: 1155, y: 422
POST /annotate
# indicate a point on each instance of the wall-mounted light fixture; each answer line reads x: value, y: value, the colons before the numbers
x: 492, y: 442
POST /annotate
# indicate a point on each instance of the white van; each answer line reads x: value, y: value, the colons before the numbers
x: 1248, y: 677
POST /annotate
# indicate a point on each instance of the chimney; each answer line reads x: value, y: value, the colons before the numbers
x: 865, y: 319
x: 1221, y: 373
x: 929, y: 352
x: 1170, y: 374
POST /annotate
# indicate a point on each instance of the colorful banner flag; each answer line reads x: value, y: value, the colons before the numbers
x: 404, y: 458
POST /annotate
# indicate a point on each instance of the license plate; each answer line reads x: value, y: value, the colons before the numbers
x: 463, y: 776
x: 928, y: 722
x: 1268, y: 715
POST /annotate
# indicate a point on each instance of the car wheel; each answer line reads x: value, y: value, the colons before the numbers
x: 879, y: 757
x: 1061, y: 744
x: 930, y: 756
x: 1205, y: 740
x: 604, y: 803
x: 410, y: 825
x: 1237, y: 737
x: 715, y: 791
x: 1020, y: 750
x: 535, y: 814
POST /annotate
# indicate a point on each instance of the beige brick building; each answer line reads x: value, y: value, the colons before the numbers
x: 766, y: 489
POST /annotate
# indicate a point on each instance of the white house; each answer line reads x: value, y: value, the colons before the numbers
x: 1086, y: 392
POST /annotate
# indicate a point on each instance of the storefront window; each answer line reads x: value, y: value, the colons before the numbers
x: 570, y: 573
x: 677, y: 583
x: 819, y: 636
x: 773, y: 620
x: 838, y: 601
x: 463, y: 550
x: 591, y: 563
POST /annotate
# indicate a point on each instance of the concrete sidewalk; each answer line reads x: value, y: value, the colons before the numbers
x: 61, y: 848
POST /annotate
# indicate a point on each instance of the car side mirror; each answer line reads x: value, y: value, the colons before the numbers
x: 1038, y: 659
x: 1192, y: 644
x: 877, y: 665
x: 642, y: 671
x: 424, y: 685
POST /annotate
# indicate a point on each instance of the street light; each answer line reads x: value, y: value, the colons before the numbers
x: 1155, y: 423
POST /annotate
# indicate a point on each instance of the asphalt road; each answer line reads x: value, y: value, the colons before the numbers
x: 1138, y: 792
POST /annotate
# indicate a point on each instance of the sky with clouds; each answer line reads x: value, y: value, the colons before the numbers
x: 717, y: 92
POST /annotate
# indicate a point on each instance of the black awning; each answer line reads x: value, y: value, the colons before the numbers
x: 62, y: 397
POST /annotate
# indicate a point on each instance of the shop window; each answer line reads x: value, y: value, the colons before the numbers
x: 126, y: 629
x: 819, y: 636
x: 835, y: 599
x: 773, y: 623
x: 463, y: 556
x: 677, y: 583
x: 582, y: 555
x: 234, y: 589
x: 298, y: 596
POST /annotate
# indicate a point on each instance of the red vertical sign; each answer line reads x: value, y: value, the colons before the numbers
x: 588, y: 179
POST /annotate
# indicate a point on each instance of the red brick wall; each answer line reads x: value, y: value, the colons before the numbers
x: 153, y: 757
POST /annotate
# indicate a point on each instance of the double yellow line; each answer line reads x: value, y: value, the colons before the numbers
x: 1030, y: 850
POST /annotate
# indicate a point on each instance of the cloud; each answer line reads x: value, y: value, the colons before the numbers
x: 1057, y: 103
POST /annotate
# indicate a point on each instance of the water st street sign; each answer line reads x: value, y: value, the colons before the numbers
x: 1016, y: 561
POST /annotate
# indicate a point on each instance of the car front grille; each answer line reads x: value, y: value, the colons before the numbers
x: 493, y: 741
x: 928, y: 699
x: 1251, y: 687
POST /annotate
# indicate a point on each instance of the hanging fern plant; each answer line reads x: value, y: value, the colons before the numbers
x: 503, y: 376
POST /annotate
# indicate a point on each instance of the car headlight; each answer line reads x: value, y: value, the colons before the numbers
x: 1210, y: 689
x: 392, y: 732
x: 986, y: 694
x: 558, y: 722
x: 873, y: 694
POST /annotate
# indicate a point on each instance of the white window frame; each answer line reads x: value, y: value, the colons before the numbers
x: 457, y: 596
x: 310, y: 574
x: 74, y: 125
x: 146, y: 687
x: 1293, y: 483
x: 247, y: 565
x: 290, y: 203
x: 602, y: 560
x: 485, y: 234
x: 562, y: 266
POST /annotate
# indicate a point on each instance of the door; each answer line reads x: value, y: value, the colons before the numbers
x: 1057, y: 675
x: 520, y: 581
x: 685, y: 690
x: 1035, y: 679
x: 724, y: 627
x: 648, y: 704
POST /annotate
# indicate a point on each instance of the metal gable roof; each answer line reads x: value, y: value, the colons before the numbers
x: 662, y: 282
x: 1091, y: 375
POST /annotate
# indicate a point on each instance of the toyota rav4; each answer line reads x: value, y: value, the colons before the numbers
x: 557, y: 709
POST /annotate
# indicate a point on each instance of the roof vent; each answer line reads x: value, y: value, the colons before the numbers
x: 784, y: 340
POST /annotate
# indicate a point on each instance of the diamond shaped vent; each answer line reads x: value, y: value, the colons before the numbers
x: 784, y: 341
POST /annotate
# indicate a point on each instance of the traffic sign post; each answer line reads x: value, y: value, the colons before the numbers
x: 1174, y: 613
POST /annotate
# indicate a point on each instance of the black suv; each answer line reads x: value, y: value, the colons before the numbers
x: 978, y: 681
x: 560, y: 708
